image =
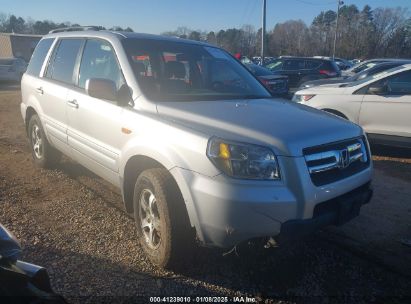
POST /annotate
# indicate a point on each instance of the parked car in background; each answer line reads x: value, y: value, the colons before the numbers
x: 12, y: 69
x: 22, y: 282
x: 267, y: 60
x: 343, y: 64
x: 303, y: 69
x: 378, y: 68
x: 368, y: 64
x: 381, y: 104
x: 277, y: 84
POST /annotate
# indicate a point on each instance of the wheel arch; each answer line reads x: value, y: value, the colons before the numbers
x: 335, y: 112
x: 134, y: 166
x: 30, y: 111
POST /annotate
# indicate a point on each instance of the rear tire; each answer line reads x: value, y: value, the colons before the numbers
x: 44, y: 155
x: 161, y: 219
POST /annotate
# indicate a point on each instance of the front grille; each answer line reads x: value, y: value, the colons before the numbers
x: 335, y: 161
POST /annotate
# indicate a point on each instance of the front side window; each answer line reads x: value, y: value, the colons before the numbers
x: 175, y: 71
x: 39, y: 54
x: 61, y: 67
x: 99, y: 61
x: 398, y: 84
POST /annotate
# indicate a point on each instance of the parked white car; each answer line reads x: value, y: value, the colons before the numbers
x: 12, y: 69
x: 381, y: 104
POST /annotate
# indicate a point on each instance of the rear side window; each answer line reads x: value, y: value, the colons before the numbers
x: 62, y: 64
x: 290, y: 65
x: 99, y: 61
x: 312, y: 64
x: 39, y: 54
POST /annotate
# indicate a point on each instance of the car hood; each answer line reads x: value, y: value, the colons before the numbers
x: 284, y: 126
x: 324, y: 89
x: 318, y: 82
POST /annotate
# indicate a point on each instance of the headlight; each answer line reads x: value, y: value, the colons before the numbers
x: 302, y: 98
x: 240, y: 160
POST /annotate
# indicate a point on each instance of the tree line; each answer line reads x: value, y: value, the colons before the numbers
x: 17, y: 25
x: 365, y: 33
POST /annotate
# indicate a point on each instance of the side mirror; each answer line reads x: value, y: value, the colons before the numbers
x: 101, y: 88
x: 377, y: 89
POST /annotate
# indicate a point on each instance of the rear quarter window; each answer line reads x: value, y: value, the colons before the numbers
x: 330, y: 65
x: 38, y: 57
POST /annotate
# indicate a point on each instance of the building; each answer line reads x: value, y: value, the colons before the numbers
x: 18, y: 45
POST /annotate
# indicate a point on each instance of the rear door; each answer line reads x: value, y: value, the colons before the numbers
x: 389, y: 114
x: 95, y: 125
x: 53, y: 89
x: 294, y: 69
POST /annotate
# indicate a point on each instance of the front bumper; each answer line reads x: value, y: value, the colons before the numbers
x: 336, y: 211
x: 226, y: 211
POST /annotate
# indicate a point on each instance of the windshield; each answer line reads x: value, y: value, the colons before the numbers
x: 372, y: 77
x: 364, y: 66
x: 178, y: 71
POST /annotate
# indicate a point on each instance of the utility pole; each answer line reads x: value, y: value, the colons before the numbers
x: 339, y: 2
x: 263, y: 33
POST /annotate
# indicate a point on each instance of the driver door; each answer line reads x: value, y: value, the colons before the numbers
x: 387, y: 115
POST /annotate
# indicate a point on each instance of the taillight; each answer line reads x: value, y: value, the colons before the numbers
x: 264, y: 81
x: 328, y: 73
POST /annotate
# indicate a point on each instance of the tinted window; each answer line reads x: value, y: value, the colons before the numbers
x: 293, y: 65
x: 99, y: 61
x: 330, y: 65
x: 62, y: 66
x: 399, y: 84
x: 312, y: 64
x: 39, y: 54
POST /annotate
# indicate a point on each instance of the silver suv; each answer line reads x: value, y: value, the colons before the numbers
x: 198, y: 147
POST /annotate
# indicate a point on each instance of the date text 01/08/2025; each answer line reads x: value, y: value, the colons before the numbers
x: 203, y: 299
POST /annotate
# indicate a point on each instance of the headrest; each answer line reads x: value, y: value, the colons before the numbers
x: 139, y: 68
x: 175, y: 69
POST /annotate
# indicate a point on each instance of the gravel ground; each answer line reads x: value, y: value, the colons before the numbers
x: 73, y: 223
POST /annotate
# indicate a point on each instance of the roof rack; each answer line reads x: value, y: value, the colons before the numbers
x: 77, y: 28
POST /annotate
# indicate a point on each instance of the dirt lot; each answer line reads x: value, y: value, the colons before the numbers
x: 72, y: 222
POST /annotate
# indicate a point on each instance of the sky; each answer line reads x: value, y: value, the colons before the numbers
x: 157, y: 16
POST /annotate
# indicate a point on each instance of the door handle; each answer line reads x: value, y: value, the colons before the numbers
x: 73, y: 103
x: 40, y: 90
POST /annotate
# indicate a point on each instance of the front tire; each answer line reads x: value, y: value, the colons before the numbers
x: 44, y: 155
x: 161, y: 219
